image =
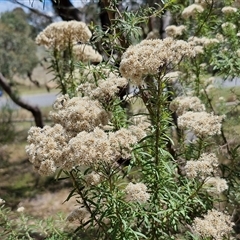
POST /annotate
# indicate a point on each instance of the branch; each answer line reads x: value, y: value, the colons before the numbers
x: 33, y: 109
x: 32, y: 10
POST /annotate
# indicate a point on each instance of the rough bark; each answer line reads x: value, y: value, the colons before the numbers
x: 33, y: 109
x: 66, y: 10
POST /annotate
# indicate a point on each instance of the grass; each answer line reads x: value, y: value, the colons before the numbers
x: 230, y: 94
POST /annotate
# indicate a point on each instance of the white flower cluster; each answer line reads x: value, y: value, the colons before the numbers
x: 183, y: 104
x: 228, y: 10
x: 192, y: 10
x: 137, y: 192
x: 105, y: 90
x: 215, y: 224
x: 202, y: 41
x: 60, y: 35
x: 93, y: 178
x: 149, y: 56
x: 205, y: 3
x: 80, y: 214
x: 172, y: 77
x: 2, y: 201
x: 86, y: 53
x: 45, y: 149
x: 174, y: 31
x: 78, y: 140
x: 228, y: 26
x: 78, y: 114
x: 204, y: 167
x: 216, y: 185
x: 202, y: 124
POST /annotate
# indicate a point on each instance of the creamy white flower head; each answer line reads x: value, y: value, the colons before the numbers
x: 86, y: 53
x: 183, y: 104
x: 203, y: 124
x: 2, y: 201
x: 137, y: 192
x: 45, y: 149
x: 88, y: 149
x: 60, y: 35
x: 122, y: 142
x: 221, y: 99
x: 20, y: 209
x: 153, y: 34
x: 228, y: 25
x: 205, y: 3
x: 199, y: 49
x: 229, y: 10
x: 93, y: 178
x: 150, y: 56
x: 78, y: 114
x: 220, y: 37
x: 172, y: 77
x: 203, y: 41
x: 209, y: 88
x: 192, y: 10
x: 214, y: 224
x: 106, y: 89
x: 203, y: 167
x: 174, y: 31
x: 216, y: 185
x: 96, y: 147
x: 80, y: 214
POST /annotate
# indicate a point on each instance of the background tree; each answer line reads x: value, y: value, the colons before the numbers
x: 17, y: 56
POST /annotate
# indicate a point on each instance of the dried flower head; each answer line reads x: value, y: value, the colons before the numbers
x: 204, y: 167
x: 192, y: 10
x: 78, y: 114
x: 216, y: 185
x: 93, y: 148
x: 2, y: 201
x: 203, y: 124
x: 228, y: 26
x: 88, y: 149
x: 60, y: 35
x: 124, y: 139
x: 106, y: 89
x: 137, y: 192
x: 206, y: 3
x: 153, y: 34
x: 45, y: 148
x: 93, y: 178
x: 150, y: 56
x: 203, y: 41
x: 20, y: 209
x: 86, y: 53
x: 183, y: 104
x: 229, y: 10
x: 215, y: 224
x: 174, y: 31
x: 80, y: 214
x: 172, y: 77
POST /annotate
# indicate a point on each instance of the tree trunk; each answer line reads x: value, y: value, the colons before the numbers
x: 66, y: 10
x: 33, y: 109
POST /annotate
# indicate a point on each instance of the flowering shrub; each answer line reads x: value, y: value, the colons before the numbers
x: 161, y: 175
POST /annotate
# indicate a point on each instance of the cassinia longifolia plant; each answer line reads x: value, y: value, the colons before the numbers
x: 168, y: 172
